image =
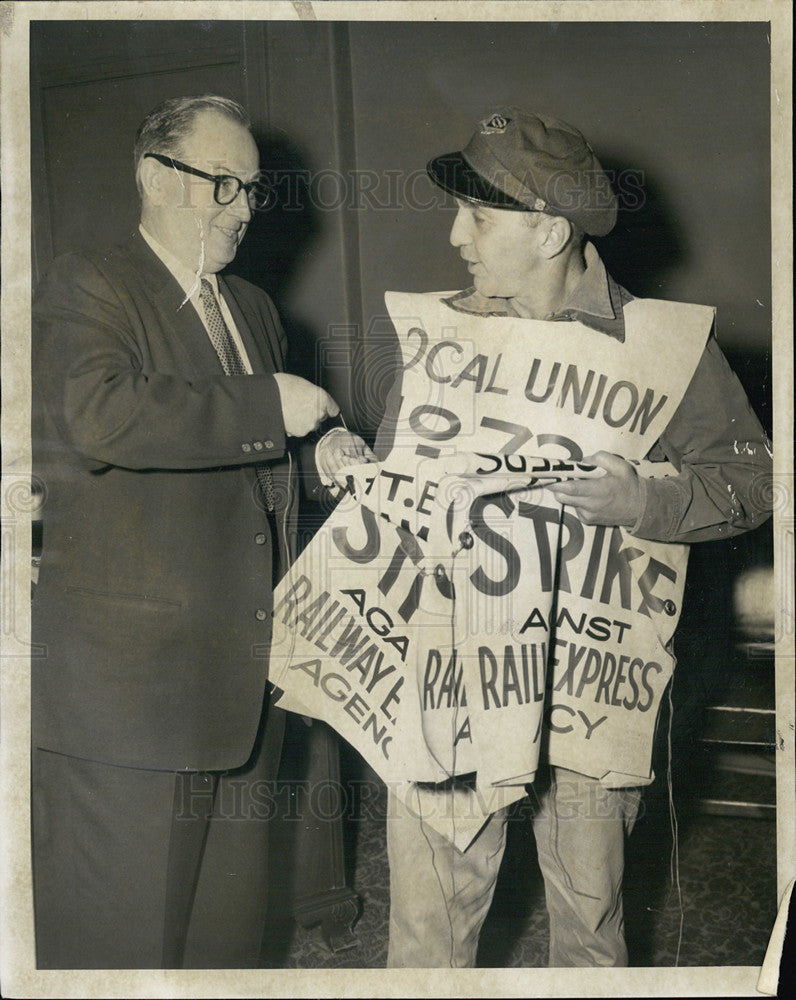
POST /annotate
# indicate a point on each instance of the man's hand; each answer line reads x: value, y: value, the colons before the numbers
x: 304, y: 405
x: 614, y: 498
x: 337, y: 449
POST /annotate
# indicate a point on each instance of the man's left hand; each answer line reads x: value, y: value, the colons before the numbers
x: 614, y: 498
x: 336, y: 450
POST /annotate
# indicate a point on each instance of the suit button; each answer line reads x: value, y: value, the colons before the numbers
x: 269, y: 445
x: 260, y: 615
x: 246, y: 447
x: 260, y: 538
x: 258, y: 446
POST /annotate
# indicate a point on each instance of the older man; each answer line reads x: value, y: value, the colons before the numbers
x: 164, y: 425
x: 529, y: 191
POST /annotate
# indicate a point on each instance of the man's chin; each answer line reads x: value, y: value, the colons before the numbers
x: 488, y: 290
x: 218, y: 261
x: 222, y: 250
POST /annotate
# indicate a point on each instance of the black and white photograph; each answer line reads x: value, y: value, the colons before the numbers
x: 397, y: 501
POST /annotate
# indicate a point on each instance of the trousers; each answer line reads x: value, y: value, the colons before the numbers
x: 147, y: 869
x: 440, y: 896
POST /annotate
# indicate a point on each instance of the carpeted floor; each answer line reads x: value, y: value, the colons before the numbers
x: 727, y: 880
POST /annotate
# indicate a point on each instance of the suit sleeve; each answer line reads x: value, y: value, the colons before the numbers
x: 89, y: 354
x: 723, y: 457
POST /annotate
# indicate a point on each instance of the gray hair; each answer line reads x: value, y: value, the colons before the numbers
x: 166, y: 126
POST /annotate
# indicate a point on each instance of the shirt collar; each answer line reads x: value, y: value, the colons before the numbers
x: 596, y: 301
x: 186, y: 278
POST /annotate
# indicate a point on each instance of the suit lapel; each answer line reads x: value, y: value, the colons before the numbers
x: 189, y: 331
x: 190, y: 335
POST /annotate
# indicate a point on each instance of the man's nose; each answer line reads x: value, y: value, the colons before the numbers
x: 240, y: 206
x: 460, y: 234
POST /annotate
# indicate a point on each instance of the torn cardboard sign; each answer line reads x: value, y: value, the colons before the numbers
x: 450, y: 617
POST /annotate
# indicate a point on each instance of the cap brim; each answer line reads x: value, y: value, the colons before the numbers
x: 454, y: 174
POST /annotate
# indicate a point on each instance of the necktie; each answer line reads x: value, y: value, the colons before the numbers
x: 231, y: 362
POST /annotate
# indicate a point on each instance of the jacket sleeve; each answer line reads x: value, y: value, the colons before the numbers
x: 91, y: 357
x: 723, y: 457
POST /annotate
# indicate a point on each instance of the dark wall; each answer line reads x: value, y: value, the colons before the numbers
x: 678, y: 112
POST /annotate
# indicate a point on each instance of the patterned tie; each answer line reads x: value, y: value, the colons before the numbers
x: 232, y: 364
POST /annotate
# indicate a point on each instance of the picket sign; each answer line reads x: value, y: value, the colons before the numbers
x: 450, y: 617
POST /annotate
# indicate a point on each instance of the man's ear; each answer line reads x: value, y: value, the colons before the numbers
x: 556, y: 236
x: 153, y: 181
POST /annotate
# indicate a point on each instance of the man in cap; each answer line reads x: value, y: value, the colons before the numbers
x: 163, y: 432
x: 530, y: 191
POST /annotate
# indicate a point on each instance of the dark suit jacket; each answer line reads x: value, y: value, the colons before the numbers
x: 155, y: 587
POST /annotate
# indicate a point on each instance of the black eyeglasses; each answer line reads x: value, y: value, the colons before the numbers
x: 226, y: 188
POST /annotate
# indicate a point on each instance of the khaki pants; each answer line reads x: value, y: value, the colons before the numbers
x: 439, y: 896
